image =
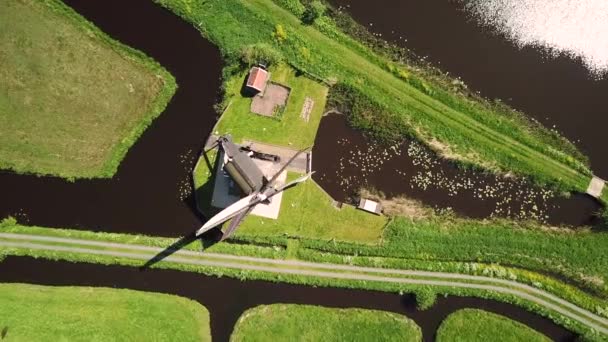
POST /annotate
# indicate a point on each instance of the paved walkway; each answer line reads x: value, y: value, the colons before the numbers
x: 302, y: 164
x: 321, y: 270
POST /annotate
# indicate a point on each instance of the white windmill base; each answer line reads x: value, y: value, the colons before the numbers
x: 222, y: 197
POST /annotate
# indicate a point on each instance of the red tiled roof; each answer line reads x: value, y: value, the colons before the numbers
x: 257, y: 78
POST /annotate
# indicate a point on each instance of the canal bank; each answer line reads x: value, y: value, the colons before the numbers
x: 558, y: 91
x: 151, y: 192
x: 227, y: 298
x: 346, y: 160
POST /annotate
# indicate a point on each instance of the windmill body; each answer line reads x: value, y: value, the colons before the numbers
x: 246, y: 182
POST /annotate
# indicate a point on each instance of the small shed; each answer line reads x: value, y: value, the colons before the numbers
x: 370, y: 206
x: 256, y: 82
x: 596, y: 186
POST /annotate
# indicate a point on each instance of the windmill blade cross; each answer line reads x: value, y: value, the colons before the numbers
x: 231, y: 211
x: 292, y: 183
x: 213, y: 146
x: 276, y: 175
x: 236, y: 222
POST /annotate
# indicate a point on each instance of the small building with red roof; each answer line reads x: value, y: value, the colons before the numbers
x: 256, y: 82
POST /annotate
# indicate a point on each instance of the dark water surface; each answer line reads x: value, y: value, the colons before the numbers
x: 556, y: 91
x: 226, y: 298
x: 151, y: 192
x: 345, y: 160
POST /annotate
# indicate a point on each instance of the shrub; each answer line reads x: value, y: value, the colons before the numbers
x: 367, y: 115
x: 294, y: 6
x: 425, y: 298
x: 8, y: 222
x: 314, y: 10
x: 279, y: 33
x: 260, y: 53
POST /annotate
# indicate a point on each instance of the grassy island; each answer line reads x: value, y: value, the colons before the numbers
x: 288, y: 322
x: 473, y: 325
x: 72, y: 100
x: 46, y: 313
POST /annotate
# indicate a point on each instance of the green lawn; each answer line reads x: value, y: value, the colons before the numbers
x: 472, y: 325
x: 72, y: 100
x: 291, y: 129
x: 46, y: 313
x: 306, y: 211
x: 289, y: 322
x: 471, y: 131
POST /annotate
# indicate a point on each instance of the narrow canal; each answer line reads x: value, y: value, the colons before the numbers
x: 151, y: 193
x: 226, y: 299
x: 556, y: 90
x: 345, y: 161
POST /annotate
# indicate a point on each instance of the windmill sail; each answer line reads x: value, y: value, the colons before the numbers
x: 228, y: 213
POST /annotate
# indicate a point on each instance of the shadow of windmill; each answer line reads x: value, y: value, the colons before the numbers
x: 201, y: 194
x: 208, y: 239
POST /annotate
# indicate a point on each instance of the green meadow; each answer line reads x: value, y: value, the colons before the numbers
x: 472, y: 325
x: 72, y: 100
x: 48, y: 313
x: 290, y: 322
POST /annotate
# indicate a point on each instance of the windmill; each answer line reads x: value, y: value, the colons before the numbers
x: 239, y: 165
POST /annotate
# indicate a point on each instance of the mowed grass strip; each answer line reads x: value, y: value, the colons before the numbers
x: 46, y: 313
x: 290, y: 129
x: 289, y: 322
x: 72, y: 100
x: 472, y: 325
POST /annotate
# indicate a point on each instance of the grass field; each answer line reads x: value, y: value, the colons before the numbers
x: 578, y: 256
x: 298, y: 208
x: 291, y: 130
x: 72, y: 100
x: 468, y: 130
x: 284, y: 322
x: 45, y: 313
x: 471, y: 325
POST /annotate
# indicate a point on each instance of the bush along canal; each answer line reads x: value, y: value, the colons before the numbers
x: 226, y: 298
x: 347, y: 161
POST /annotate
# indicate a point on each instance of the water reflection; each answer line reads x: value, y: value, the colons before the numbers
x: 578, y: 28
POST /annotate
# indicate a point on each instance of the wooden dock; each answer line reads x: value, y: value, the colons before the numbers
x: 596, y: 186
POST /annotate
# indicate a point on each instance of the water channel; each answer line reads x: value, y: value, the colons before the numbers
x: 151, y: 193
x: 345, y: 160
x: 226, y: 298
x: 559, y: 92
x: 556, y: 90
